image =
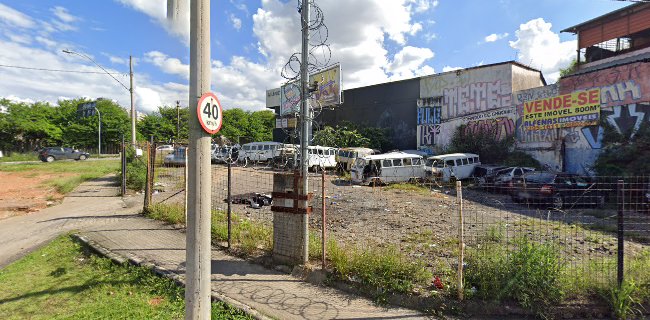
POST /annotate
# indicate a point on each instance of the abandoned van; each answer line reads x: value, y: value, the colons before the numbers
x: 347, y: 156
x: 321, y: 157
x: 259, y: 151
x: 388, y: 168
x: 457, y: 165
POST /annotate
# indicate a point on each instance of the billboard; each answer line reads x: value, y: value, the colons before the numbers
x: 328, y: 91
x: 282, y: 123
x: 576, y: 109
x: 273, y: 98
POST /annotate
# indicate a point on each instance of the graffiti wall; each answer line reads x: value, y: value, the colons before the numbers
x: 470, y: 91
x: 624, y: 100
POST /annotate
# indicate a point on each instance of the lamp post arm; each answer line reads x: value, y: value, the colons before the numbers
x: 97, y: 64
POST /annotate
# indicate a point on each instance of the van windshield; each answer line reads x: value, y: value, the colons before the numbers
x: 437, y: 163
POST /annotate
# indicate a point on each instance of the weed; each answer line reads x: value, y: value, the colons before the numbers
x: 623, y: 300
x: 530, y: 274
x: 408, y: 187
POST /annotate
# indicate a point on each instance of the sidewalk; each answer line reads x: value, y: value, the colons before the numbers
x: 262, y: 292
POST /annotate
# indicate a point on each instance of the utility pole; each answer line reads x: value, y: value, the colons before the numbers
x: 132, y: 102
x: 99, y: 133
x: 304, y: 111
x: 198, y: 253
x: 178, y: 121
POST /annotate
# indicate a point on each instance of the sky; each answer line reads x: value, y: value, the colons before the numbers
x: 375, y: 41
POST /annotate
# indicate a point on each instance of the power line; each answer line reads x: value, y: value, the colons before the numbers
x: 57, y: 70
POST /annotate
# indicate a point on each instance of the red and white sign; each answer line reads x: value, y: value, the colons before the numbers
x: 210, y: 113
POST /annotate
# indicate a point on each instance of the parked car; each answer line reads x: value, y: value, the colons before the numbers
x: 50, y: 154
x: 504, y: 178
x: 484, y: 174
x: 557, y: 190
x: 225, y: 154
x: 165, y: 148
x: 177, y: 158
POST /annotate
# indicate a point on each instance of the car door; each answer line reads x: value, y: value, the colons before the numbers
x: 68, y: 153
x: 566, y: 188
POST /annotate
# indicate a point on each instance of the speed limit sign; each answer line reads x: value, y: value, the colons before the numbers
x: 210, y: 113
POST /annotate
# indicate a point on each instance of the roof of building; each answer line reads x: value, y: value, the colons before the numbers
x: 608, y: 16
x: 644, y: 57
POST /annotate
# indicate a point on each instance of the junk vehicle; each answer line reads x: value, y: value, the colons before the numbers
x: 445, y: 166
x: 347, y: 156
x: 388, y: 168
x: 557, y: 190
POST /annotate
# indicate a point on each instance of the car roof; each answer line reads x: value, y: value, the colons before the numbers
x: 392, y: 155
x: 453, y: 155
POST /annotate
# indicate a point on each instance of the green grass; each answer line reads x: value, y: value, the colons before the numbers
x: 20, y: 157
x: 75, y: 172
x: 63, y: 280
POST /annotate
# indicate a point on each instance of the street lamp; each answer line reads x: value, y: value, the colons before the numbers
x: 130, y: 88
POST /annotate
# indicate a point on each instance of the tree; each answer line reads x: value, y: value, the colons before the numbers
x: 253, y: 126
x: 489, y: 148
x: 571, y: 68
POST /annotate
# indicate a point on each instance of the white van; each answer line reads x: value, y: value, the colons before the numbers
x: 259, y: 151
x: 347, y: 156
x: 321, y: 157
x: 457, y: 165
x: 388, y: 168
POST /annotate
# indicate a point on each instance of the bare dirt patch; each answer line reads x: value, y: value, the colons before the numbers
x: 24, y: 192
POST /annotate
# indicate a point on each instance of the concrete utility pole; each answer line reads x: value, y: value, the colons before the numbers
x: 178, y: 121
x: 198, y: 253
x: 132, y: 102
x: 304, y: 111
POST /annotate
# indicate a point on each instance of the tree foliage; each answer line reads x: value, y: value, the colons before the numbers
x: 241, y: 126
x: 624, y: 156
x: 27, y: 126
x: 351, y: 135
x: 489, y: 148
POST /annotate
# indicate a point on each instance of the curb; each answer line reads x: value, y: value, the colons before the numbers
x: 216, y: 296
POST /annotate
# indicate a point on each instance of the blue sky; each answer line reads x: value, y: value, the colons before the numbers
x: 374, y: 40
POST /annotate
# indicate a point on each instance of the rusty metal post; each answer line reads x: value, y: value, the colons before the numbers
x: 323, y: 221
x: 621, y: 232
x: 461, y: 238
x: 229, y: 202
x: 147, y: 191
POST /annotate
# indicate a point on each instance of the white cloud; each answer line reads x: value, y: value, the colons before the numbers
x: 424, y: 5
x: 116, y: 60
x: 167, y: 64
x: 408, y: 61
x: 15, y: 18
x: 236, y: 22
x: 148, y: 99
x: 494, y: 37
x: 541, y: 48
x: 63, y: 14
x: 450, y: 68
x: 240, y: 5
x: 157, y: 10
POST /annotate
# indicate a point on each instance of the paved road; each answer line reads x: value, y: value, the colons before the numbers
x: 90, y: 204
x: 112, y: 224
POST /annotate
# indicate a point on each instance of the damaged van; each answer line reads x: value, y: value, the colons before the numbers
x: 388, y: 168
x: 445, y: 166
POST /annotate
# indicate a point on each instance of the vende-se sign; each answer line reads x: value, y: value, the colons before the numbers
x: 576, y: 109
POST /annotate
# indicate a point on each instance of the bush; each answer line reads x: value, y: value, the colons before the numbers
x: 136, y: 170
x: 623, y: 156
x: 489, y: 148
x: 531, y: 275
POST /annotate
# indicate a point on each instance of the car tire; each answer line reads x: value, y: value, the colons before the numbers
x: 49, y: 159
x: 557, y: 202
x: 82, y: 157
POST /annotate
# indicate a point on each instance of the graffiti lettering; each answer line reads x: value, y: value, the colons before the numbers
x: 474, y: 97
x: 501, y: 126
x: 426, y: 134
x: 619, y: 92
x: 429, y: 115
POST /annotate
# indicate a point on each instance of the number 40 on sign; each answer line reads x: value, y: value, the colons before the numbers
x: 210, y: 113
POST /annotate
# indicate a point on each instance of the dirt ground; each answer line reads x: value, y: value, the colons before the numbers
x: 23, y: 193
x: 424, y: 223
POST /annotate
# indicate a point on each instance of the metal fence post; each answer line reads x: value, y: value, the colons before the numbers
x: 229, y: 202
x: 621, y: 232
x: 461, y: 238
x: 323, y: 221
x: 147, y: 190
x: 123, y: 158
